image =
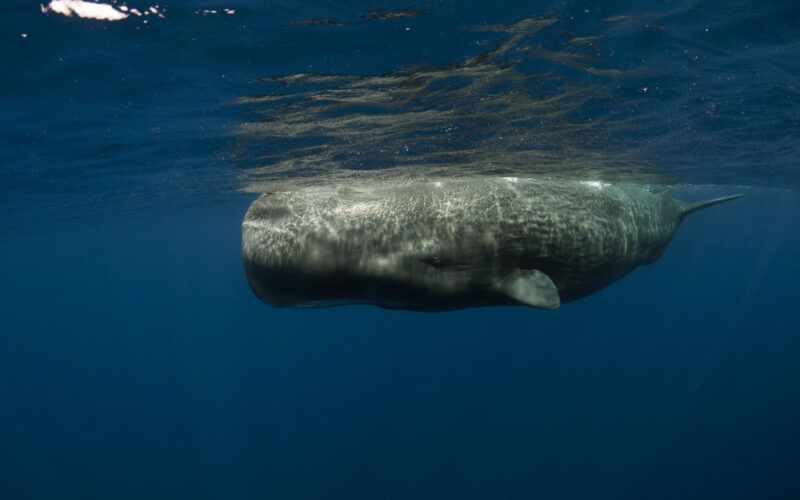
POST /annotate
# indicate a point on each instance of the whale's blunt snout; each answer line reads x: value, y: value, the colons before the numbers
x: 689, y: 207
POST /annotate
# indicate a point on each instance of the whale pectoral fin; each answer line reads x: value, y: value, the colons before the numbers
x: 531, y: 287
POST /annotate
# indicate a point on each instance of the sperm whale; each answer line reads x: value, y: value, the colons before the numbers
x: 447, y: 244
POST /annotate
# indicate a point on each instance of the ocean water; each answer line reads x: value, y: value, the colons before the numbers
x: 135, y: 362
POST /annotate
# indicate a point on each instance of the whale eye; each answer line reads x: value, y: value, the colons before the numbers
x: 436, y: 260
x: 433, y: 260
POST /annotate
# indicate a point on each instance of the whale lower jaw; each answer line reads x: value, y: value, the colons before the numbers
x: 293, y: 288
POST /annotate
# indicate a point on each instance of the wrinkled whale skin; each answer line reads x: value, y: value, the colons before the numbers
x: 453, y: 243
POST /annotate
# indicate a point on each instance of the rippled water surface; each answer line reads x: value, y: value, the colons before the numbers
x: 189, y: 103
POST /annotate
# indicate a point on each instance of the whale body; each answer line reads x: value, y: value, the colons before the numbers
x: 453, y: 243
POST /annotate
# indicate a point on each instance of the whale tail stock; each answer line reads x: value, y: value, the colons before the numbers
x: 691, y: 207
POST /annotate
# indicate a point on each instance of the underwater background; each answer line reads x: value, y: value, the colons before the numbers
x: 135, y: 362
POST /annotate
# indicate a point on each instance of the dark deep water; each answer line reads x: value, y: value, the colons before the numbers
x: 135, y: 362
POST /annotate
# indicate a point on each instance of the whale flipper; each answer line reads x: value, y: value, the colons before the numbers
x: 531, y: 287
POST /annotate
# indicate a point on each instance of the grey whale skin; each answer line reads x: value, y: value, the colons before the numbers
x: 452, y: 244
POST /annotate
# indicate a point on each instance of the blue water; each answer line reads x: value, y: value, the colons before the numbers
x: 136, y: 363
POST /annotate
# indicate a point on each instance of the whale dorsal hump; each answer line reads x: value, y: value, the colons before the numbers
x: 531, y: 287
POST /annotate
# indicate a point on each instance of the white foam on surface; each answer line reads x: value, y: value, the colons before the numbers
x: 88, y: 10
x: 99, y: 11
